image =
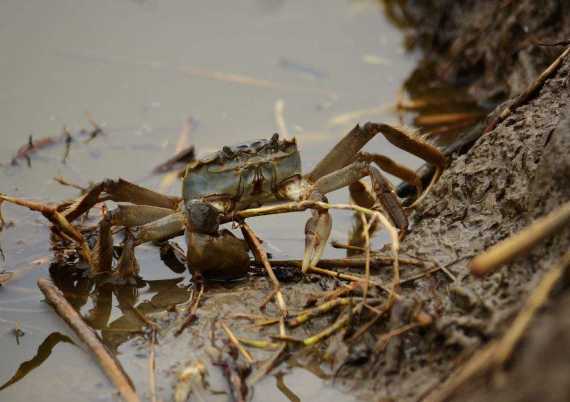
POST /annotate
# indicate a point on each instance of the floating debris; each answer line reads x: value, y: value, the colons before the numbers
x: 376, y: 60
x: 5, y: 276
x: 18, y: 332
x: 303, y: 68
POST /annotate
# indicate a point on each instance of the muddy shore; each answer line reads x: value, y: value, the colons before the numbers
x: 506, y: 179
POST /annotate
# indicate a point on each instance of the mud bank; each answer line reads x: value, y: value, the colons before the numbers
x: 511, y: 176
x: 492, y: 189
x: 493, y: 45
x: 508, y: 178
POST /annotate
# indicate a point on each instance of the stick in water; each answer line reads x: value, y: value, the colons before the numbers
x: 108, y: 362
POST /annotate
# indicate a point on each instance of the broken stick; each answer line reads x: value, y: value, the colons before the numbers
x: 107, y: 361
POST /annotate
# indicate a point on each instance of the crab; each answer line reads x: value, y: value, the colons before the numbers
x: 239, y: 177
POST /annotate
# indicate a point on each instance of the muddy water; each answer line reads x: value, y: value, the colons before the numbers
x: 141, y: 68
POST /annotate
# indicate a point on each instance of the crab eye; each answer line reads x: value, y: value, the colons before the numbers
x: 228, y: 152
x: 274, y: 140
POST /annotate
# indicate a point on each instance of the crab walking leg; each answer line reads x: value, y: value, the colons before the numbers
x: 382, y: 188
x: 394, y: 168
x: 165, y: 228
x: 120, y: 191
x: 346, y: 149
x: 318, y: 227
x: 123, y: 215
x: 410, y: 143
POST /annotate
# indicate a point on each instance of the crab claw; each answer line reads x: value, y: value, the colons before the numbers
x: 212, y: 252
x: 221, y: 257
x: 317, y: 232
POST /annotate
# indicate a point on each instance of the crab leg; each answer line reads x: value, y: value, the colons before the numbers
x: 164, y: 228
x: 120, y: 191
x: 346, y: 150
x: 123, y: 215
x: 394, y: 168
x: 385, y: 194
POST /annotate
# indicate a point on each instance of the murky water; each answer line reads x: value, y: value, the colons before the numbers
x: 142, y: 68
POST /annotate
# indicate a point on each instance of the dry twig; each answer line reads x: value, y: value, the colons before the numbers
x: 107, y: 361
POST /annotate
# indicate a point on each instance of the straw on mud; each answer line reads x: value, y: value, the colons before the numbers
x: 270, y: 364
x: 314, y: 312
x: 498, y: 352
x: 236, y: 342
x: 385, y: 307
x: 419, y: 276
x: 152, y: 366
x: 107, y: 361
x: 251, y: 317
x: 260, y: 254
x: 529, y: 92
x: 376, y: 261
x: 341, y: 322
x: 264, y: 323
x: 268, y: 299
x: 259, y: 344
x: 339, y: 275
x: 521, y: 242
x: 193, y: 309
x: 340, y: 292
x: 384, y: 339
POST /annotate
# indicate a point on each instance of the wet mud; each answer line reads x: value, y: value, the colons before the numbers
x: 508, y: 178
x: 495, y: 46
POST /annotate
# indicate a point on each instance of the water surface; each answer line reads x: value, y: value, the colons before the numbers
x: 141, y: 68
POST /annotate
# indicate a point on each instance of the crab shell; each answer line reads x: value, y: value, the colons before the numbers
x: 244, y: 175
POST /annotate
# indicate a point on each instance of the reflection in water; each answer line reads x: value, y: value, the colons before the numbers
x: 78, y: 291
x: 279, y: 377
x: 44, y: 351
x: 356, y: 235
x: 395, y: 12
